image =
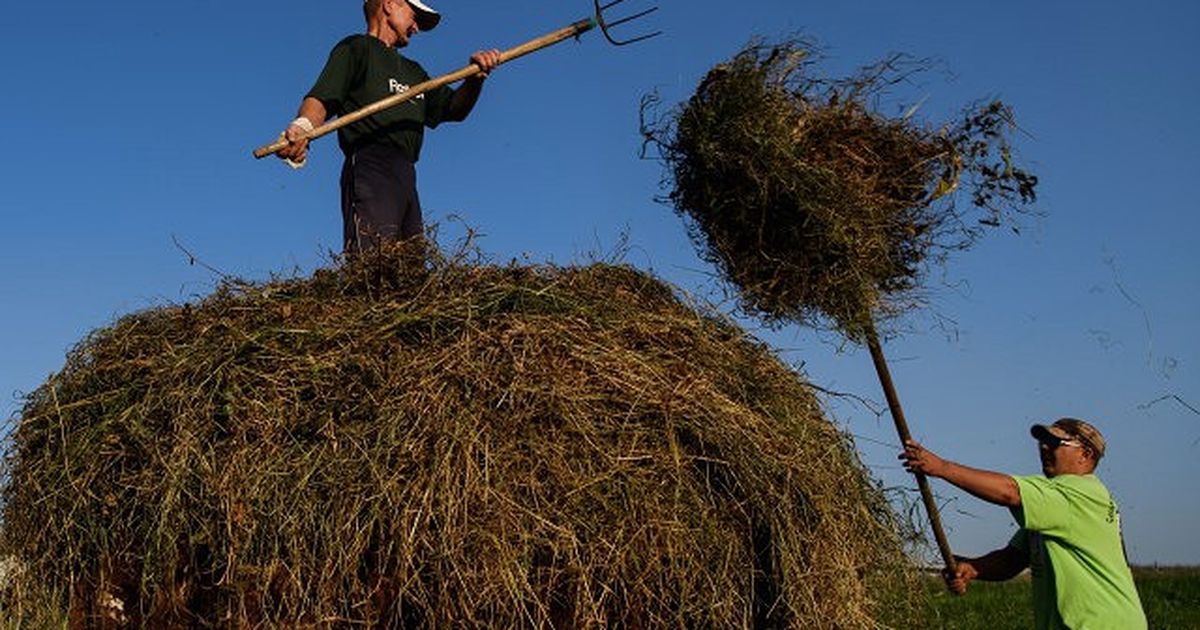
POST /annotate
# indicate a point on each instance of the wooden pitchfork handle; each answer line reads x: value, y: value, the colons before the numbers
x: 574, y: 30
x: 889, y: 390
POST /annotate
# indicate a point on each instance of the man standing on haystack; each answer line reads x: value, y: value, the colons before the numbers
x: 378, y: 181
x: 1070, y: 534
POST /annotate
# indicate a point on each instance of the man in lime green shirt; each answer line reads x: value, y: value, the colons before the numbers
x: 1070, y: 536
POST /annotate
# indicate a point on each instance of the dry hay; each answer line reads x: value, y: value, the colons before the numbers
x: 817, y: 208
x: 471, y: 446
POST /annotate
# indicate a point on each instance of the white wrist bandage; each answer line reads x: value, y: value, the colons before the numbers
x: 307, y: 126
x: 304, y: 124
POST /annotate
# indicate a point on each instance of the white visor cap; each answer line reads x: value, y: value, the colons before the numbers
x: 427, y: 18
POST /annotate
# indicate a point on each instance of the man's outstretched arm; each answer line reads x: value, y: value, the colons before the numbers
x: 992, y: 487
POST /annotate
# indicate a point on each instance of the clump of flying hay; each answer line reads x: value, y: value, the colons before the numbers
x: 458, y: 444
x: 814, y: 205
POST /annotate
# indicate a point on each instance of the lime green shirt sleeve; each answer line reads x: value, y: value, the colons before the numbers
x: 1045, y: 505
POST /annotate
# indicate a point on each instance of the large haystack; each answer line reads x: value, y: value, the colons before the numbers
x: 470, y: 445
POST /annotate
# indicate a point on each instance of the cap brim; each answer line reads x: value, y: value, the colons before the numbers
x: 1041, y: 433
x: 427, y: 18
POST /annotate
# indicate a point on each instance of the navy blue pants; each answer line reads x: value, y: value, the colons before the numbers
x: 379, y: 197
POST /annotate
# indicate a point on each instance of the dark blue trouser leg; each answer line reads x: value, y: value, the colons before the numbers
x: 379, y: 198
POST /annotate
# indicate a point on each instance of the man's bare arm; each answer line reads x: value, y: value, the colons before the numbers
x: 463, y: 100
x: 1001, y: 564
x: 997, y: 566
x: 992, y: 487
x: 297, y: 148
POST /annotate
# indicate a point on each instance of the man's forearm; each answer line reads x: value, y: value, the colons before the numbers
x: 1000, y: 565
x: 313, y: 110
x: 992, y: 487
x: 463, y: 100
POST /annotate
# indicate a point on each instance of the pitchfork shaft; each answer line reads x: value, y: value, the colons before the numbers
x: 889, y: 391
x: 574, y: 30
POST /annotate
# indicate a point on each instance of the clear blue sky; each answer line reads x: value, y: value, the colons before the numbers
x: 130, y: 123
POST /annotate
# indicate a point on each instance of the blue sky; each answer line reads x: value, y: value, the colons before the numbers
x: 131, y: 124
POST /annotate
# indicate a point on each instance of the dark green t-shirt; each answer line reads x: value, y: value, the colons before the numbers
x: 361, y: 70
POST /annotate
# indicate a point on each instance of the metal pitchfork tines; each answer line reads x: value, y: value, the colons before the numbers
x: 606, y: 25
x: 574, y: 30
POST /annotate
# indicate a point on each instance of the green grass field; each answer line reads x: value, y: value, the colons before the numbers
x: 1170, y: 597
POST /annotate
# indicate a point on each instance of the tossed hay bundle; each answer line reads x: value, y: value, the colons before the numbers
x: 472, y: 446
x: 815, y: 206
x: 818, y: 208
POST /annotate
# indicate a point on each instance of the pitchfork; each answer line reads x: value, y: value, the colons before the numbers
x: 574, y: 30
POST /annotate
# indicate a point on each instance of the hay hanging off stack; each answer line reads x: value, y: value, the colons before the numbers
x: 815, y: 206
x: 474, y: 446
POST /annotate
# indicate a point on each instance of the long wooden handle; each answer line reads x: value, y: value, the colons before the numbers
x: 889, y: 391
x: 574, y: 30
